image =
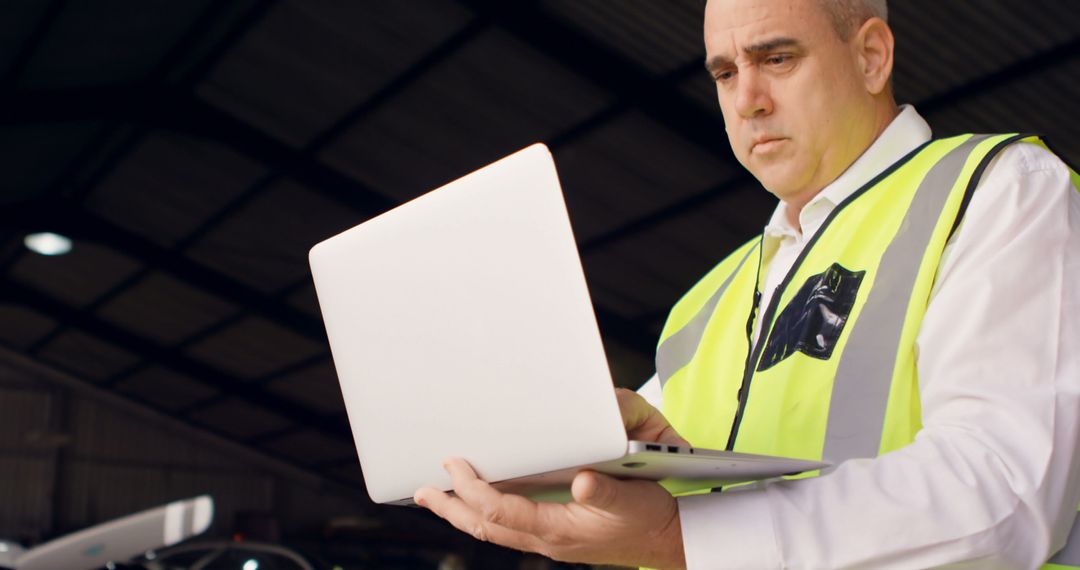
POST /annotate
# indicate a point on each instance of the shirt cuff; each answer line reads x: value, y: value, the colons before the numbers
x: 732, y: 529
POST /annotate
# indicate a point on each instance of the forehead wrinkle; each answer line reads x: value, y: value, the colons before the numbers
x: 771, y: 45
x: 751, y: 19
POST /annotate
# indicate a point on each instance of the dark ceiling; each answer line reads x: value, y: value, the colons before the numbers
x: 196, y: 150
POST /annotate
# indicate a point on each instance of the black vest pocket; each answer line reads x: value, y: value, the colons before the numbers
x: 812, y: 322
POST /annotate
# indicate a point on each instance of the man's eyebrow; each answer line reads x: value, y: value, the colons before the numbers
x: 772, y: 45
x: 718, y: 61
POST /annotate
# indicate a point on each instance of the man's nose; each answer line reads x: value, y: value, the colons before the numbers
x: 752, y: 95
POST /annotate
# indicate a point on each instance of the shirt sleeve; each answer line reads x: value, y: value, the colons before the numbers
x: 989, y: 479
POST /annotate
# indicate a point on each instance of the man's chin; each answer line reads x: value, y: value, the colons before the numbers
x: 776, y: 182
x: 788, y: 193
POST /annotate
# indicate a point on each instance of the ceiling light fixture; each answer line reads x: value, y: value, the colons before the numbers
x: 48, y: 243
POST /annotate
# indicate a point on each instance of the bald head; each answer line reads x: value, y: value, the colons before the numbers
x: 848, y: 15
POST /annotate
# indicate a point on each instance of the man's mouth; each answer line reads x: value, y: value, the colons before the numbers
x: 766, y: 144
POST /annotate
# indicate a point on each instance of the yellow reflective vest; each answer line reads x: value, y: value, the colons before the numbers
x: 833, y: 375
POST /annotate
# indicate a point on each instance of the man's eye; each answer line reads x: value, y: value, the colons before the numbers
x: 724, y: 75
x: 777, y: 59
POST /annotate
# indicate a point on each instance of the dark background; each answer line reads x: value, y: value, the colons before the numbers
x: 195, y: 150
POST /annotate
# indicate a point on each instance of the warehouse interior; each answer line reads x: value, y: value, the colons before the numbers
x: 193, y: 152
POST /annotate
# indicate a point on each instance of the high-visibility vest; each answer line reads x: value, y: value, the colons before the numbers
x: 833, y: 375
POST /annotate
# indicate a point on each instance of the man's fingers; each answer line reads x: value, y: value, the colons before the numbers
x: 643, y: 421
x: 669, y: 435
x: 508, y: 510
x: 633, y: 407
x: 595, y: 490
x: 469, y: 520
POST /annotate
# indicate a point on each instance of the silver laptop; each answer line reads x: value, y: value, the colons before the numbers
x: 460, y: 325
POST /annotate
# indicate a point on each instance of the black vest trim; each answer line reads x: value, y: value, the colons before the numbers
x: 976, y: 177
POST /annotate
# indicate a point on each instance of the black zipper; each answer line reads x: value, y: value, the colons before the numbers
x: 750, y: 321
x: 754, y: 354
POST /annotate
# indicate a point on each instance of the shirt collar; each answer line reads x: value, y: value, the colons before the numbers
x: 903, y: 135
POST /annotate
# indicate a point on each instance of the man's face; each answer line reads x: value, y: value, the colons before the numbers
x: 796, y: 109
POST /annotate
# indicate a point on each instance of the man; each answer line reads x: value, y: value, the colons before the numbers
x: 912, y: 301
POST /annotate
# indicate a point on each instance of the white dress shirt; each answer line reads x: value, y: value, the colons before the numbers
x: 992, y: 480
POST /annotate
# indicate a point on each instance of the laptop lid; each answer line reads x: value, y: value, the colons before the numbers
x: 460, y: 325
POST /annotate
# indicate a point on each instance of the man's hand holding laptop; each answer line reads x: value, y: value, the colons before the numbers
x: 609, y: 520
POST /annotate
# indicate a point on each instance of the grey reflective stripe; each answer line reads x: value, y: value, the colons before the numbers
x: 864, y: 375
x: 1070, y: 555
x: 678, y: 349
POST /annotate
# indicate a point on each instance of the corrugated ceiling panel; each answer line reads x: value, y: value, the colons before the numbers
x: 23, y: 413
x: 33, y: 157
x: 631, y: 273
x: 659, y: 36
x: 86, y: 356
x: 20, y: 19
x: 306, y: 301
x: 699, y: 88
x: 310, y: 507
x: 165, y: 388
x: 265, y: 245
x: 108, y: 42
x: 654, y: 267
x: 170, y: 184
x: 26, y: 493
x: 22, y: 326
x: 164, y: 309
x: 230, y: 18
x: 351, y: 475
x: 671, y: 254
x: 14, y: 376
x: 97, y: 492
x: 726, y: 221
x: 233, y: 494
x: 239, y: 419
x: 611, y: 295
x: 1044, y: 103
x: 309, y: 62
x: 629, y: 369
x: 628, y: 168
x: 628, y: 297
x: 309, y: 447
x: 932, y: 57
x: 316, y: 387
x: 254, y: 347
x: 495, y: 96
x: 79, y: 277
x: 115, y: 464
x: 103, y: 434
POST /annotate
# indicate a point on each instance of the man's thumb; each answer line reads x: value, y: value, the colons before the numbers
x: 595, y: 490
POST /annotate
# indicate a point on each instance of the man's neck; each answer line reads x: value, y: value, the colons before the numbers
x: 884, y: 115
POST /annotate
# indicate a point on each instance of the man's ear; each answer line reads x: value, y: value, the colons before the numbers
x: 873, y: 45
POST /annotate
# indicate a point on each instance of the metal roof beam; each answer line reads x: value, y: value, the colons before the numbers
x: 171, y: 110
x: 634, y: 88
x: 170, y: 358
x: 1012, y: 73
x: 83, y: 225
x: 308, y: 475
x: 33, y: 42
